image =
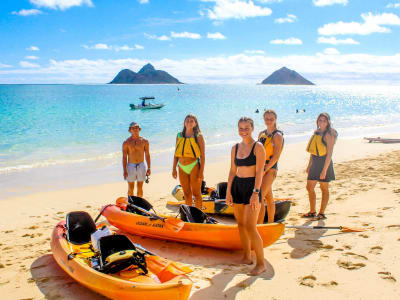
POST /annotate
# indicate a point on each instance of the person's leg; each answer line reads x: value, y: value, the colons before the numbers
x: 195, y: 185
x: 268, y: 196
x: 311, y: 194
x: 238, y: 211
x: 255, y: 239
x: 325, y: 196
x: 261, y: 215
x: 185, y: 183
x: 131, y: 187
x: 140, y: 189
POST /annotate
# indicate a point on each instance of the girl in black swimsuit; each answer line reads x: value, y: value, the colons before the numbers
x: 243, y: 192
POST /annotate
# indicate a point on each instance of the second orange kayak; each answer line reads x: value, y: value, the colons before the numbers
x: 223, y: 236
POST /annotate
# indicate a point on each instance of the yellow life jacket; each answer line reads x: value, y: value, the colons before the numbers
x: 266, y: 140
x: 187, y: 147
x: 316, y: 146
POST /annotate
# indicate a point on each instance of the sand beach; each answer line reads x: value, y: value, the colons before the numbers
x: 311, y: 263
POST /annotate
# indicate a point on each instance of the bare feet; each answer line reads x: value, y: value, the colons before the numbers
x: 246, y: 260
x: 258, y: 269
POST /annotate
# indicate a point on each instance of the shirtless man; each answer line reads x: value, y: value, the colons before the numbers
x: 134, y: 149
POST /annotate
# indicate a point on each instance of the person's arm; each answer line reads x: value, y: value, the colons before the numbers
x: 260, y: 161
x: 329, y: 149
x: 202, y: 156
x: 174, y: 163
x: 147, y: 156
x: 125, y: 158
x: 309, y: 164
x: 278, y: 146
x: 232, y: 173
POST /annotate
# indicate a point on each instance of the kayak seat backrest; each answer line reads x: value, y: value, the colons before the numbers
x: 192, y: 214
x: 221, y: 190
x: 204, y: 189
x: 117, y: 253
x: 140, y: 202
x: 80, y: 226
x: 111, y: 244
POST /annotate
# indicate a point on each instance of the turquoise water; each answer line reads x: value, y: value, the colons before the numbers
x: 68, y: 125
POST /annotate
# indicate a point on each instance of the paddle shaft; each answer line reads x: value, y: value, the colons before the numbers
x: 315, y: 227
x: 146, y: 212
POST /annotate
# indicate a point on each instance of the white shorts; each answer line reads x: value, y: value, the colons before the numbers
x: 136, y: 172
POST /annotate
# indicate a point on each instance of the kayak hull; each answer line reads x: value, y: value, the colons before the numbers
x: 113, y: 287
x: 222, y: 236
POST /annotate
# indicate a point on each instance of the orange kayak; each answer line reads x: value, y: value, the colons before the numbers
x: 219, y: 235
x: 126, y: 284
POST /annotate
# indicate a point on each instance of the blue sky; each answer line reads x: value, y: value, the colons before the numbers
x: 206, y: 41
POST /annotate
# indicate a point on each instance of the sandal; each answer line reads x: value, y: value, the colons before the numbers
x: 309, y: 215
x: 321, y: 217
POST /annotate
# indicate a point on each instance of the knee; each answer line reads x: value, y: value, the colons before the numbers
x: 309, y: 187
x: 241, y: 223
x: 251, y: 228
x: 324, y: 189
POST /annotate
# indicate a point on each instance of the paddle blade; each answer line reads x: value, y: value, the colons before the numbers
x: 174, y: 224
x: 348, y: 229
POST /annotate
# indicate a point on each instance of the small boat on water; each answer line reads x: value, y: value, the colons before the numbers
x: 143, y: 105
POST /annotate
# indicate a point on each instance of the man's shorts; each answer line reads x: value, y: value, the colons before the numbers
x: 136, y: 172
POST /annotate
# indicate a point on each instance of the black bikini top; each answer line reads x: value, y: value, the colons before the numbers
x: 248, y: 161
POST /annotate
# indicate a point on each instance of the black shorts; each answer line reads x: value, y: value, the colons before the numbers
x: 242, y: 189
x: 275, y: 166
x: 317, y: 164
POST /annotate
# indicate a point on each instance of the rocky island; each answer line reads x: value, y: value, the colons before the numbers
x: 147, y: 75
x: 286, y: 76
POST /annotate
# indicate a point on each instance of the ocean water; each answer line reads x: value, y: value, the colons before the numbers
x: 60, y: 130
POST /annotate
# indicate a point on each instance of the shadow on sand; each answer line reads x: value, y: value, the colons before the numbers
x: 54, y: 283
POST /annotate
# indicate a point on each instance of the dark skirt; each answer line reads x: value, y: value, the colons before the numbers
x: 317, y: 164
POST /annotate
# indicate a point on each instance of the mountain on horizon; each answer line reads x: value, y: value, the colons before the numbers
x: 286, y: 76
x: 147, y: 75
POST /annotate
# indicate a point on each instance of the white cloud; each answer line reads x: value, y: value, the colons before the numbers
x: 27, y: 64
x: 372, y: 23
x: 331, y: 51
x: 143, y: 1
x: 155, y: 37
x: 31, y: 57
x: 187, y: 35
x: 216, y: 36
x: 268, y: 1
x: 60, y: 4
x: 254, y: 51
x: 289, y: 19
x: 329, y: 2
x: 393, y: 5
x: 335, y: 41
x: 236, y: 9
x: 241, y: 68
x: 4, y: 66
x: 27, y: 12
x: 99, y: 46
x: 33, y: 48
x: 289, y: 41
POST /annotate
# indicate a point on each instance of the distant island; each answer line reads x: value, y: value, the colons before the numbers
x: 147, y: 75
x: 287, y: 77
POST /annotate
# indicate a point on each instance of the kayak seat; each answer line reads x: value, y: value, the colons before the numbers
x: 192, y: 214
x: 204, y: 189
x: 80, y: 226
x: 117, y: 253
x: 221, y: 190
x: 140, y: 202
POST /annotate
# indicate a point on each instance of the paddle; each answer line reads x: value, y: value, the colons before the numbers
x: 341, y: 228
x: 170, y: 223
